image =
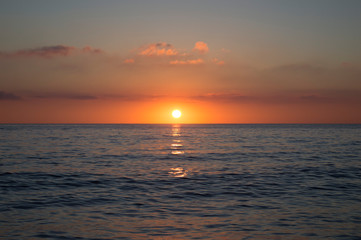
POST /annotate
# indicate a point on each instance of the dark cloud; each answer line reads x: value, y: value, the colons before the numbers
x: 49, y: 51
x: 163, y: 44
x: 321, y: 97
x: 88, y: 49
x: 224, y: 97
x: 135, y: 97
x: 8, y: 96
x: 76, y: 96
x: 65, y: 96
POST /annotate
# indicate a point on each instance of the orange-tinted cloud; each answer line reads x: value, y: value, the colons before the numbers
x: 201, y: 47
x: 187, y: 62
x: 129, y: 61
x: 159, y: 49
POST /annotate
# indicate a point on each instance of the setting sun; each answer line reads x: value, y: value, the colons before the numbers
x: 176, y: 113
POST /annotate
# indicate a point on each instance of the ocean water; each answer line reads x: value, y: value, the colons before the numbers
x: 180, y: 181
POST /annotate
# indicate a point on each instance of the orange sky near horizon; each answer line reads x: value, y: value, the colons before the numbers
x: 155, y: 112
x: 250, y: 63
x: 89, y: 86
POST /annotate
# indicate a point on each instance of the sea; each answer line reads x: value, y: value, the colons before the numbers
x: 180, y: 181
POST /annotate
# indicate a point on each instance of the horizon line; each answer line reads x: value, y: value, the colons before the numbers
x: 292, y: 123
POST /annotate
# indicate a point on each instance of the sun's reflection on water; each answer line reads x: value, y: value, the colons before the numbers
x: 177, y: 148
x: 178, y: 172
x: 176, y: 130
x: 176, y: 145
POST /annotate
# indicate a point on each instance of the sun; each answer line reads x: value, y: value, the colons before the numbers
x: 176, y: 113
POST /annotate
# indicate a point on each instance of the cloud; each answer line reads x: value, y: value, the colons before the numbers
x: 133, y: 97
x: 46, y: 52
x: 178, y: 57
x: 51, y: 51
x: 78, y: 96
x: 158, y: 49
x: 88, y: 49
x: 187, y: 62
x: 8, y: 96
x: 282, y: 98
x: 227, y: 97
x: 129, y: 61
x: 201, y: 47
x: 70, y: 96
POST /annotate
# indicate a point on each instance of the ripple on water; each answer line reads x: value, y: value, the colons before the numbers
x: 180, y: 182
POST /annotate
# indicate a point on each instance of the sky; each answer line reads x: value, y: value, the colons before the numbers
x: 229, y: 61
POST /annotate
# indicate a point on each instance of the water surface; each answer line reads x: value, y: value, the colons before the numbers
x: 180, y: 181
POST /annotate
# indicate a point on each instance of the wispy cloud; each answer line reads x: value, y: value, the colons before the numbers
x: 285, y: 98
x: 99, y: 97
x: 187, y: 62
x: 8, y: 96
x: 89, y: 49
x: 227, y: 97
x: 306, y: 98
x: 70, y: 96
x: 51, y: 51
x: 133, y: 97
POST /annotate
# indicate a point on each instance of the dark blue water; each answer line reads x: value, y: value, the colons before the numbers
x: 180, y: 181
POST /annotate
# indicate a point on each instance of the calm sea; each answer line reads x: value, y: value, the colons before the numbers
x: 180, y: 182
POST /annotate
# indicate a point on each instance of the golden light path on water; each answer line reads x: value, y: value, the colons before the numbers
x: 177, y: 149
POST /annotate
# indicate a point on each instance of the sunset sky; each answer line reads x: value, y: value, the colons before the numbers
x: 229, y: 61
